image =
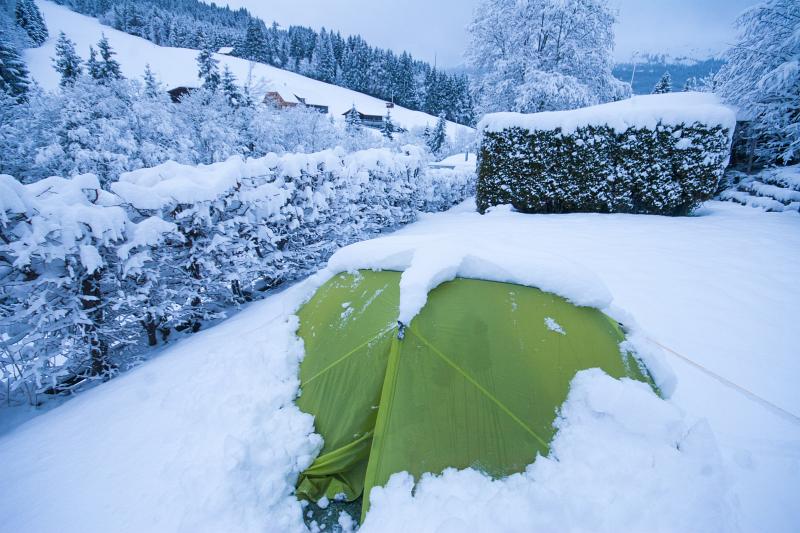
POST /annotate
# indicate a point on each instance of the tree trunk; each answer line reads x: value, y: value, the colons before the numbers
x: 91, y: 304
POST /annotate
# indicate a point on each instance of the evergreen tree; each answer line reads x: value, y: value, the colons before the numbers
x: 109, y: 67
x: 438, y: 136
x: 151, y: 85
x: 208, y: 67
x: 229, y: 87
x: 692, y: 84
x: 30, y: 19
x: 353, y: 120
x: 323, y: 61
x: 92, y: 64
x: 13, y: 72
x: 388, y: 128
x: 67, y: 62
x: 664, y: 85
x: 255, y: 46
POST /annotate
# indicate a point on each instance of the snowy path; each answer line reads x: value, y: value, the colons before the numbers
x: 205, y: 437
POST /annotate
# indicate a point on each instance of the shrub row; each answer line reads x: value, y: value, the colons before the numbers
x: 667, y: 170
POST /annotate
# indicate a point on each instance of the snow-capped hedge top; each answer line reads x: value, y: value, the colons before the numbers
x: 637, y: 112
x: 174, y: 183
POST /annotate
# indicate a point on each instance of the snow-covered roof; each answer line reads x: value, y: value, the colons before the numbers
x: 225, y: 50
x: 638, y: 112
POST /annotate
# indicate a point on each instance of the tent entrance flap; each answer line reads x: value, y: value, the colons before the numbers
x: 476, y: 381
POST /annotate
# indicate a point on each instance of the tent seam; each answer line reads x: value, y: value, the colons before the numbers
x: 348, y: 354
x: 479, y: 387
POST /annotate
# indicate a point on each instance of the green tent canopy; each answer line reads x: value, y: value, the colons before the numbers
x: 475, y: 380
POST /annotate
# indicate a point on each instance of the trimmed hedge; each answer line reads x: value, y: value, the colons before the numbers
x: 668, y: 170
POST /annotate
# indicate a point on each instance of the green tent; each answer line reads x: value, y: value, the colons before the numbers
x: 475, y: 380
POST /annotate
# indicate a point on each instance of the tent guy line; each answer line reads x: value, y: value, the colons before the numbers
x: 783, y: 413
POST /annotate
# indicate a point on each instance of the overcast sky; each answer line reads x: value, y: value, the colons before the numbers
x: 435, y: 28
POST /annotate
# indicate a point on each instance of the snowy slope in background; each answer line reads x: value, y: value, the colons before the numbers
x: 177, y: 67
x: 206, y: 438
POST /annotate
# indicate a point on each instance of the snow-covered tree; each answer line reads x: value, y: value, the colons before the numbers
x: 438, y: 136
x: 541, y: 55
x: 762, y: 77
x: 208, y: 67
x: 109, y: 68
x: 92, y: 64
x: 664, y: 84
x: 151, y: 86
x: 14, y: 80
x: 388, y: 128
x: 229, y: 87
x: 30, y: 19
x: 353, y: 119
x: 67, y: 62
x: 323, y: 61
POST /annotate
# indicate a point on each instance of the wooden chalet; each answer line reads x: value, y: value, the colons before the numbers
x: 369, y: 121
x: 275, y: 99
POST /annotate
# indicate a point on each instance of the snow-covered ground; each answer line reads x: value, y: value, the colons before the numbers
x: 206, y: 437
x: 176, y: 67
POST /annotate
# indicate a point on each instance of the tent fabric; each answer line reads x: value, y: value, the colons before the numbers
x: 476, y: 379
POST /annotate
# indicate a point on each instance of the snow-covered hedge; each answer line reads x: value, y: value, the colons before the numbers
x: 87, y: 272
x: 659, y: 154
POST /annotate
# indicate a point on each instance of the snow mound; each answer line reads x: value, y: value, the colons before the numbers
x: 638, y: 112
x: 205, y: 438
x: 622, y: 460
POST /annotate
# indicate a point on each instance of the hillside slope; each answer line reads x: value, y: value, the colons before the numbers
x: 176, y: 67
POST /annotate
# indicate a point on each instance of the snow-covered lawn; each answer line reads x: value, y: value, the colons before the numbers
x: 206, y: 437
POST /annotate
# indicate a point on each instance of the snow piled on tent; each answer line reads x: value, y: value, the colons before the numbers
x: 645, y: 111
x: 619, y: 450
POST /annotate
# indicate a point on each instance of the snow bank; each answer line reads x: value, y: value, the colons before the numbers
x: 206, y: 438
x: 622, y: 460
x: 646, y: 111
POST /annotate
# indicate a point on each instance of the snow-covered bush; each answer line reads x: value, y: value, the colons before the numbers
x: 653, y: 154
x: 89, y: 272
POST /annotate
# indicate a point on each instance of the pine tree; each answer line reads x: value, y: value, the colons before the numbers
x: 67, y: 62
x: 109, y: 67
x: 323, y: 61
x: 208, y: 67
x: 691, y: 84
x: 229, y: 87
x: 664, y: 85
x: 92, y: 64
x: 438, y: 137
x: 353, y: 120
x: 255, y: 46
x: 14, y: 79
x: 30, y: 19
x: 388, y: 126
x: 151, y: 86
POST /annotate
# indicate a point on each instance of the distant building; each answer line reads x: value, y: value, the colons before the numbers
x: 225, y: 50
x: 280, y: 101
x: 179, y: 92
x: 370, y: 121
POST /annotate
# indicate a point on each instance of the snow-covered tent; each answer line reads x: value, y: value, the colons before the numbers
x: 474, y: 380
